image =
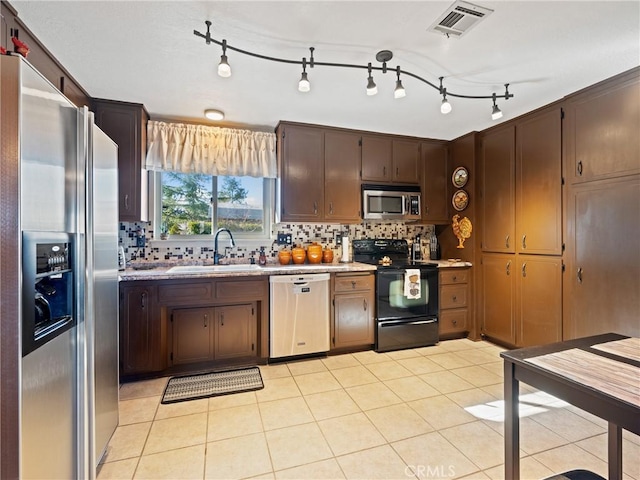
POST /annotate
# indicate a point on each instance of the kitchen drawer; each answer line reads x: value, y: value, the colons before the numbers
x: 352, y: 283
x: 454, y: 275
x: 453, y: 321
x: 241, y: 289
x: 181, y: 293
x: 453, y: 296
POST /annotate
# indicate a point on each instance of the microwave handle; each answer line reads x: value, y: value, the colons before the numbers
x: 406, y: 205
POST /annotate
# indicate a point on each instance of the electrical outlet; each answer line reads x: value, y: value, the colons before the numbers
x: 284, y: 239
x: 338, y: 239
x: 140, y: 240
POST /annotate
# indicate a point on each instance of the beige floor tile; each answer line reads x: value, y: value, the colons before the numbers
x: 264, y: 476
x: 331, y: 404
x: 431, y: 350
x: 420, y: 365
x: 317, y: 382
x: 137, y: 410
x: 298, y: 445
x: 478, y: 442
x: 144, y: 388
x: 235, y: 400
x: 446, y: 382
x: 567, y: 424
x: 496, y: 390
x: 529, y: 468
x: 119, y: 470
x: 441, y: 412
x: 403, y: 354
x: 497, y: 368
x: 586, y: 415
x: 234, y: 422
x: 322, y: 470
x: 388, y: 370
x: 285, y: 413
x: 450, y: 360
x: 278, y: 370
x: 278, y: 388
x: 630, y: 453
x: 632, y: 437
x: 478, y: 356
x: 398, y: 422
x: 368, y: 357
x: 335, y: 362
x: 350, y: 433
x: 182, y: 408
x: 458, y: 344
x: 478, y: 376
x: 374, y: 395
x: 475, y: 476
x: 183, y: 463
x: 239, y: 457
x: 535, y: 438
x: 127, y: 442
x: 571, y: 457
x: 380, y: 463
x: 472, y: 397
x: 432, y: 456
x: 352, y: 376
x: 303, y: 367
x: 411, y: 388
x: 177, y: 432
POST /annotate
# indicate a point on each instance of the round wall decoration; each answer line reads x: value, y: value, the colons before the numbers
x: 460, y: 177
x: 460, y: 200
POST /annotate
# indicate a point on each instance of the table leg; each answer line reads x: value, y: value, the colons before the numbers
x: 615, y: 452
x: 511, y: 423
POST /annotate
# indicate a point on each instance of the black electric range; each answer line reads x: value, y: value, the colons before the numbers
x: 406, y: 294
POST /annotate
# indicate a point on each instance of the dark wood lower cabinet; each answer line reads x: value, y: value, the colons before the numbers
x: 498, y: 297
x: 234, y: 334
x: 192, y: 330
x: 353, y: 312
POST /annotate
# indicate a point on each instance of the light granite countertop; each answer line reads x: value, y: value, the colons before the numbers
x: 146, y: 271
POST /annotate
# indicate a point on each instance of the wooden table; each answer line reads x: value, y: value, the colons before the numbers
x: 599, y: 374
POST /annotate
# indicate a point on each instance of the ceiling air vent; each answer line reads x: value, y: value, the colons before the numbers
x: 459, y: 18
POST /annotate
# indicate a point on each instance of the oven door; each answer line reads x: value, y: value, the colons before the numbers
x: 392, y: 301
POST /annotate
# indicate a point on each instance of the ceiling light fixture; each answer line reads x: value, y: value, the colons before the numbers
x: 399, y: 92
x: 383, y: 56
x: 213, y: 114
x: 496, y: 113
x: 372, y: 88
x: 224, y: 69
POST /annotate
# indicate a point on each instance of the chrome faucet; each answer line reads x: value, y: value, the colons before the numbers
x: 216, y: 255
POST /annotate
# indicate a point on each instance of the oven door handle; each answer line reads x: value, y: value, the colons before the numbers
x: 394, y: 323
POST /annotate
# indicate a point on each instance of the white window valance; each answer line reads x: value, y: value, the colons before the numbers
x: 188, y: 148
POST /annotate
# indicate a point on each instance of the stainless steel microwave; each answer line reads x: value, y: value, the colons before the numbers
x: 390, y: 202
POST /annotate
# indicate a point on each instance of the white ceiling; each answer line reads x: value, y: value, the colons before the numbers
x: 146, y: 52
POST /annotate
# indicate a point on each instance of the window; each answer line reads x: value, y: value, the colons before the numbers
x: 192, y: 204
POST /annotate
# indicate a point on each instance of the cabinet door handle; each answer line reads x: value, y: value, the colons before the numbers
x: 506, y: 241
x: 455, y: 278
x: 524, y: 269
x: 353, y: 284
x: 222, y: 319
x: 426, y: 210
x: 579, y: 167
x: 205, y: 320
x: 315, y: 208
x: 524, y: 241
x: 454, y: 321
x: 509, y: 267
x: 143, y: 300
x: 384, y: 171
x: 331, y: 208
x: 454, y: 298
x: 126, y: 201
x: 364, y: 304
x: 397, y: 172
x: 579, y: 274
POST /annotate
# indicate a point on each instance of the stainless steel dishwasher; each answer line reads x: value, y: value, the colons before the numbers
x: 299, y: 314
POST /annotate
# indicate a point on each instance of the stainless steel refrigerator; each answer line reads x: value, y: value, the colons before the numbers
x: 66, y: 176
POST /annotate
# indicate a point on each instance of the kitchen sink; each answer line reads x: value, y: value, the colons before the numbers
x: 214, y: 268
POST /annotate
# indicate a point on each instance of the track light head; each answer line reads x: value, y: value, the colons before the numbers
x: 445, y: 106
x: 372, y: 89
x: 399, y: 92
x: 303, y: 84
x: 496, y: 113
x: 224, y: 69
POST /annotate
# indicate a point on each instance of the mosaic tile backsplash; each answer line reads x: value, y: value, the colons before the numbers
x: 138, y: 243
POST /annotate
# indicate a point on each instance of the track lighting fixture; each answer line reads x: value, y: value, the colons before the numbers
x: 224, y: 69
x: 303, y: 84
x: 383, y: 56
x: 496, y: 113
x: 372, y: 88
x: 399, y: 92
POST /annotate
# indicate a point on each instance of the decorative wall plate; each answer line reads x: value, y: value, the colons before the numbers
x: 460, y: 177
x: 460, y: 200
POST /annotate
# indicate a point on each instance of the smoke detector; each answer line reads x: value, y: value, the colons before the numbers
x: 459, y: 18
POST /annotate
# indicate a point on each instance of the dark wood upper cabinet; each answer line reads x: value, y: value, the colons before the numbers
x: 539, y: 183
x: 377, y: 154
x: 406, y: 161
x: 435, y: 181
x: 498, y: 190
x: 601, y: 130
x: 126, y: 125
x: 341, y: 176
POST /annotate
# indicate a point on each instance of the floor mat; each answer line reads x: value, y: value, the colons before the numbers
x: 203, y: 385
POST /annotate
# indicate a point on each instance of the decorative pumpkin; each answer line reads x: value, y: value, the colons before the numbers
x: 298, y: 255
x: 314, y: 253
